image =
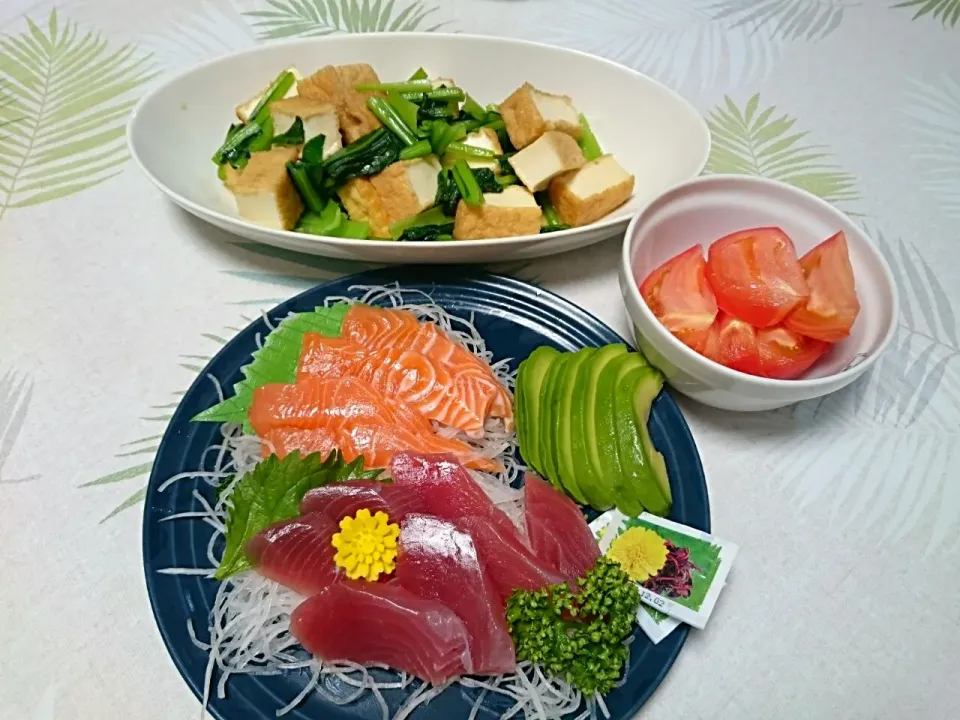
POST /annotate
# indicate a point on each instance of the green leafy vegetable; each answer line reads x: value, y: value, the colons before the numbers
x: 276, y: 362
x: 507, y: 180
x: 369, y: 155
x: 421, y: 85
x: 293, y: 135
x: 406, y: 110
x: 264, y: 140
x: 278, y: 88
x: 431, y: 216
x: 588, y: 141
x: 578, y: 637
x: 420, y: 74
x: 312, y: 198
x: 472, y: 151
x: 417, y: 150
x: 353, y: 229
x: 550, y: 222
x: 271, y: 493
x: 312, y: 152
x: 325, y: 222
x: 474, y: 109
x: 487, y: 180
x: 428, y: 233
x: 391, y: 120
x: 448, y: 195
x: 467, y: 183
x: 237, y: 144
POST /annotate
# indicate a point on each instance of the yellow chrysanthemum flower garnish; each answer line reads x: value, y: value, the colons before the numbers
x: 641, y: 553
x: 366, y: 545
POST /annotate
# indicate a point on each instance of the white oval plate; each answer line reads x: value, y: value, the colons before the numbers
x: 652, y: 131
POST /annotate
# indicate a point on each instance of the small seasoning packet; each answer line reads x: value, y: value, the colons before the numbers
x: 683, y: 569
x: 655, y: 624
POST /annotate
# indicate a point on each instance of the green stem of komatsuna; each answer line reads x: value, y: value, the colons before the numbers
x: 301, y: 181
x: 471, y: 151
x: 417, y: 150
x: 506, y: 180
x: 474, y: 109
x: 278, y: 88
x: 406, y: 110
x: 588, y: 141
x: 467, y: 184
x: 391, y: 120
x: 247, y: 132
x: 423, y: 85
x: 420, y: 74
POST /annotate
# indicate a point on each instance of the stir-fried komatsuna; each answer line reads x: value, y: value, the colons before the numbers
x: 342, y: 154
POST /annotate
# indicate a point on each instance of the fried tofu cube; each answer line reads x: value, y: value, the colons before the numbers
x: 584, y: 196
x: 528, y: 113
x: 407, y: 187
x: 318, y: 118
x: 335, y: 85
x: 363, y: 203
x: 511, y: 212
x: 244, y: 110
x: 487, y: 139
x: 263, y: 190
x: 552, y: 154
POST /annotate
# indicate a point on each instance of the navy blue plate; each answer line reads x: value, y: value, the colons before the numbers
x: 514, y: 318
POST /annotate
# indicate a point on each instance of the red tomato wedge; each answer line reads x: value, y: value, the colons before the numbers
x: 733, y: 343
x: 677, y: 292
x: 755, y: 275
x: 830, y: 311
x: 785, y: 354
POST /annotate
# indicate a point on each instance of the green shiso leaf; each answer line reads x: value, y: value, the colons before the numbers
x: 276, y: 362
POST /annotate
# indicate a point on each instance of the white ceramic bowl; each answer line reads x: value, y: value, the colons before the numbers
x: 706, y: 209
x: 652, y: 131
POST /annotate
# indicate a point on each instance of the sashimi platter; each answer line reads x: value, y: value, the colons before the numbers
x: 411, y: 495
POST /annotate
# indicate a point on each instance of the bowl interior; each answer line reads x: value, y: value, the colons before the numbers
x: 652, y: 131
x: 705, y: 210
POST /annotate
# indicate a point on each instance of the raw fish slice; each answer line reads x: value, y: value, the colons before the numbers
x: 439, y: 562
x: 379, y: 442
x: 370, y: 623
x: 328, y: 357
x: 313, y: 403
x: 284, y: 441
x: 297, y: 553
x: 557, y: 529
x: 341, y: 499
x: 509, y: 563
x: 444, y: 487
x: 426, y: 386
x: 378, y: 328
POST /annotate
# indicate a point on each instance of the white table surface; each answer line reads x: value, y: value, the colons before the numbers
x: 845, y: 598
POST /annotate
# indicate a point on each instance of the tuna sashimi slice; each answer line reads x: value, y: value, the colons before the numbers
x: 439, y: 562
x: 557, y: 530
x: 339, y: 500
x: 297, y: 553
x: 509, y: 563
x: 444, y: 487
x: 371, y: 623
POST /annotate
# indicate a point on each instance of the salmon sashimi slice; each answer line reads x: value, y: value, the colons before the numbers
x: 378, y: 328
x: 328, y: 357
x: 297, y: 553
x: 438, y: 562
x: 379, y: 443
x: 421, y: 382
x: 315, y: 403
x: 339, y: 500
x: 377, y: 623
x: 558, y: 532
x: 509, y: 563
x: 283, y: 441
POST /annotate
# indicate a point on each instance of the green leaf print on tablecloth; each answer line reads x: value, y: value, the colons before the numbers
x: 313, y: 18
x: 756, y: 141
x: 788, y: 19
x: 15, y: 394
x: 66, y: 96
x: 946, y: 11
x: 933, y: 138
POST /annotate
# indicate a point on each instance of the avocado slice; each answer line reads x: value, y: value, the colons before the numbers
x: 530, y: 379
x: 570, y: 463
x: 547, y: 420
x: 608, y: 420
x: 639, y: 473
x: 586, y: 443
x: 656, y: 495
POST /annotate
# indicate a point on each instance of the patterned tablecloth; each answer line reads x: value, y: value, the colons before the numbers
x: 844, y: 601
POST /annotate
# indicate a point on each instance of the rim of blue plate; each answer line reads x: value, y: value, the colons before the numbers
x: 506, y: 289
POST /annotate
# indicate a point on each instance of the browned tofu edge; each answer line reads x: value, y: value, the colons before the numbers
x: 576, y: 211
x: 486, y: 221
